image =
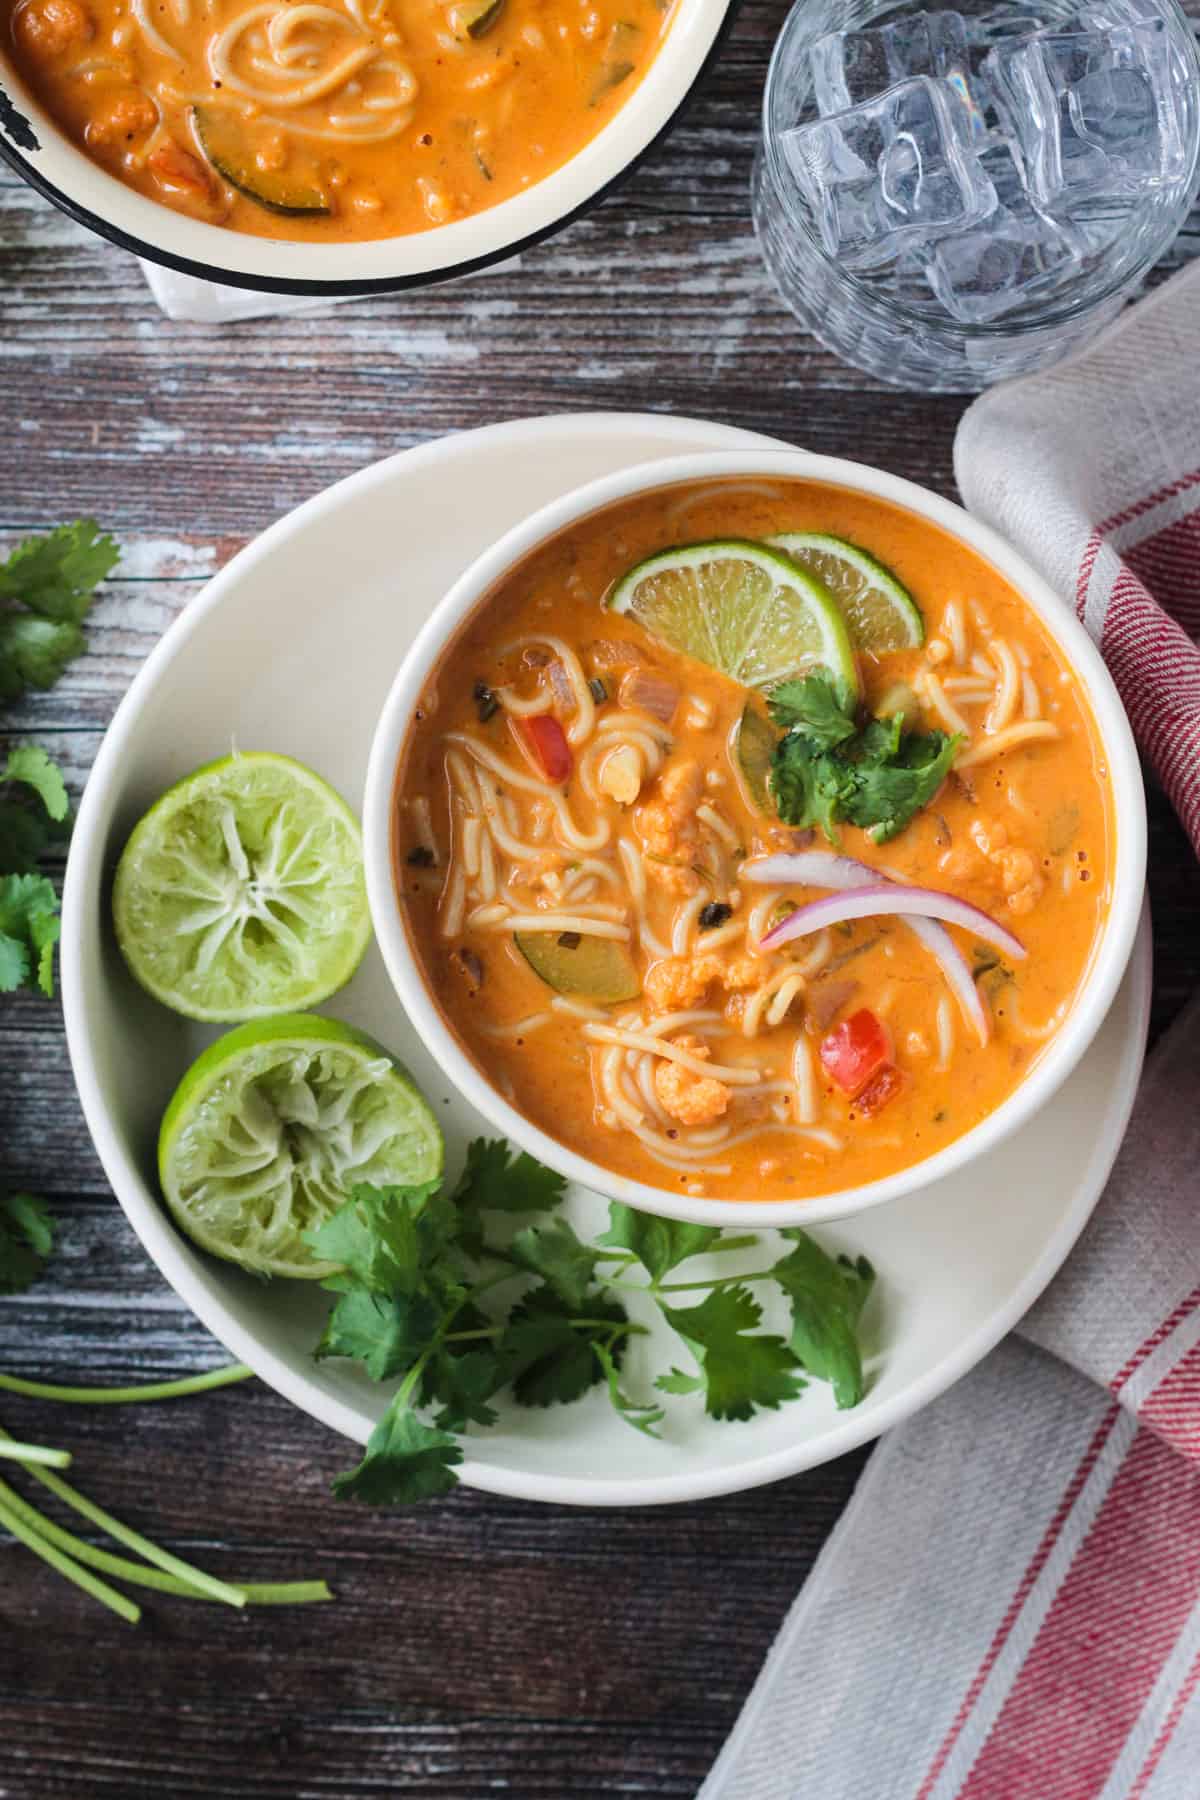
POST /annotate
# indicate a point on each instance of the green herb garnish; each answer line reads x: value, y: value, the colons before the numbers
x: 827, y: 769
x: 443, y: 1294
x: 46, y: 587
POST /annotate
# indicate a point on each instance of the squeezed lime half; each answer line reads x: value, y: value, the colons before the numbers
x: 741, y: 607
x: 241, y: 891
x: 271, y: 1128
x: 880, y: 613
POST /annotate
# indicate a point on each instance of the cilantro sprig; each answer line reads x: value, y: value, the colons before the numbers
x: 464, y: 1295
x: 828, y: 769
x: 46, y: 588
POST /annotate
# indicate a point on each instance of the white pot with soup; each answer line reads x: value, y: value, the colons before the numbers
x: 768, y: 841
x: 340, y: 142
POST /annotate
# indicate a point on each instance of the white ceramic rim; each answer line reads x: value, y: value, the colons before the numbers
x: 1109, y: 960
x: 61, y: 171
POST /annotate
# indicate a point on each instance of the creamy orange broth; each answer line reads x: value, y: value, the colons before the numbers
x: 1028, y: 836
x: 348, y: 119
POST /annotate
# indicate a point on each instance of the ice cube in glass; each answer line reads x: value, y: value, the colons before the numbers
x: 890, y: 171
x: 1095, y: 113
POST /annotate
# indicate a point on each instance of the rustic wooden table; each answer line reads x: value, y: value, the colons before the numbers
x: 478, y: 1644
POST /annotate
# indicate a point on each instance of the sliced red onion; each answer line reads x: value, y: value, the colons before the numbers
x: 957, y: 971
x: 889, y: 897
x: 651, y: 692
x: 823, y: 868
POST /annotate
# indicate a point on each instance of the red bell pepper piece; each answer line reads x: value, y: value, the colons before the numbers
x: 545, y: 744
x: 855, y: 1050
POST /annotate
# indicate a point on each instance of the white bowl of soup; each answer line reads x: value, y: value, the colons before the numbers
x: 754, y: 837
x: 338, y: 146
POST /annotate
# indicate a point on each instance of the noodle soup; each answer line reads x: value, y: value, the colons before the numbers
x: 332, y: 120
x: 603, y: 880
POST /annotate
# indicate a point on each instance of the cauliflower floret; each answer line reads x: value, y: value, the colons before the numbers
x: 127, y: 115
x: 666, y: 824
x: 743, y: 972
x: 690, y: 1098
x: 50, y: 27
x: 678, y: 983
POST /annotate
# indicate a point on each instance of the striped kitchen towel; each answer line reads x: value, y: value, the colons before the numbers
x: 1010, y: 1607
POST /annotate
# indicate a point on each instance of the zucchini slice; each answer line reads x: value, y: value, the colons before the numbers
x: 478, y: 16
x: 221, y: 138
x: 754, y: 748
x: 589, y: 968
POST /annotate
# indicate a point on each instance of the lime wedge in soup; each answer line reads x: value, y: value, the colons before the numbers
x: 880, y: 613
x: 241, y: 892
x: 271, y: 1128
x: 743, y: 608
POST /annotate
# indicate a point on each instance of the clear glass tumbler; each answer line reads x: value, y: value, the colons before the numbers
x: 946, y: 198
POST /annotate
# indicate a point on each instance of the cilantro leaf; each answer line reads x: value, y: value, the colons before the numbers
x: 827, y: 1297
x: 34, y: 768
x: 555, y: 1253
x: 26, y: 1240
x: 464, y: 1381
x: 808, y: 786
x: 385, y: 1237
x: 677, y: 1382
x: 660, y: 1245
x: 887, y: 794
x: 386, y: 1333
x: 405, y: 1460
x: 825, y: 769
x: 740, y: 1370
x: 814, y: 706
x: 34, y: 652
x: 551, y: 1358
x: 55, y: 575
x: 643, y: 1416
x: 496, y: 1180
x: 29, y: 928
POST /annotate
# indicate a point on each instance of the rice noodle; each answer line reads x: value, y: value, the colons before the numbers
x: 787, y: 979
x: 584, y: 718
x: 660, y: 1046
x: 685, y: 919
x: 945, y: 1033
x: 454, y: 904
x: 518, y: 1027
x: 635, y: 874
x: 1032, y: 731
x: 578, y: 1009
x: 708, y: 815
x: 566, y: 921
x: 804, y: 1080
x: 954, y: 631
x: 932, y: 692
x: 1031, y: 700
x: 1004, y: 706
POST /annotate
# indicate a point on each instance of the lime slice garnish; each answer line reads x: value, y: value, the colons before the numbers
x: 241, y: 892
x: 271, y: 1128
x: 881, y: 613
x: 740, y: 607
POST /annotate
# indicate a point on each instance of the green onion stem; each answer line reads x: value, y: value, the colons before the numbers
x: 120, y: 1396
x: 35, y: 1453
x: 161, y: 1559
x: 269, y: 1593
x: 99, y: 1590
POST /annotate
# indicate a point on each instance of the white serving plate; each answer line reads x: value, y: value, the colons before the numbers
x: 292, y: 648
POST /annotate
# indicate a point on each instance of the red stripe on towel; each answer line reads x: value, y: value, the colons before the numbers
x: 1158, y: 1336
x: 1087, y: 1676
x: 1173, y: 1409
x: 1012, y: 1613
x: 1137, y: 1791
